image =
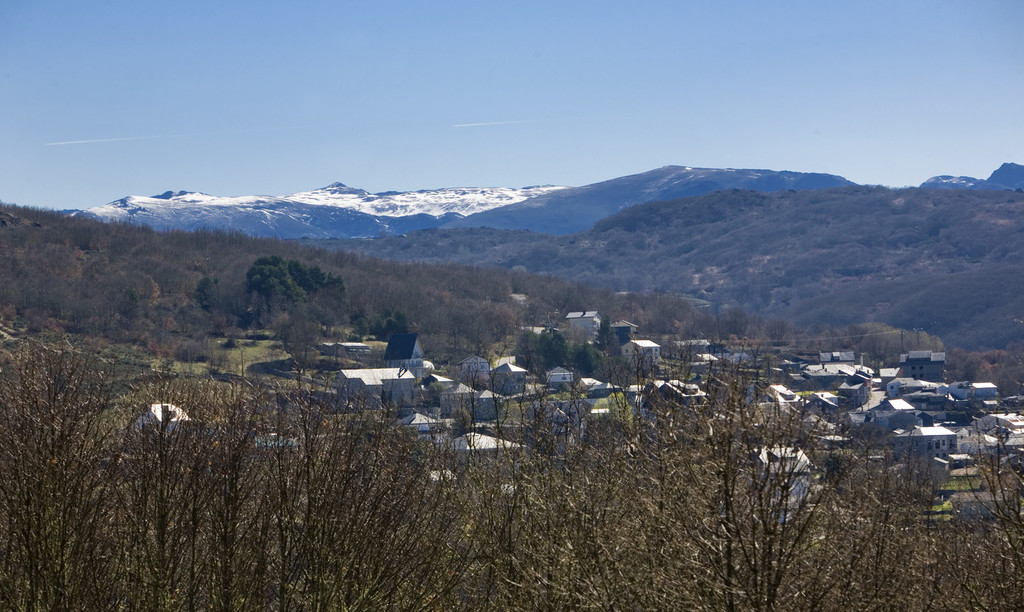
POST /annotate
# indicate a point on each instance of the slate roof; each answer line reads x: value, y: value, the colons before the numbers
x: 400, y: 346
x: 919, y: 356
x: 836, y: 357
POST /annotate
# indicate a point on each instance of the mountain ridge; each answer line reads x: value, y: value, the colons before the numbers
x: 340, y: 211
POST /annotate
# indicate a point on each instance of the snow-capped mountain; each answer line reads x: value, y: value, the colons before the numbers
x: 946, y: 181
x: 340, y: 211
x: 335, y: 211
x: 462, y: 201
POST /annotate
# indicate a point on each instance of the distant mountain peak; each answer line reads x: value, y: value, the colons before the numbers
x: 340, y: 188
x: 167, y: 195
x: 1007, y: 176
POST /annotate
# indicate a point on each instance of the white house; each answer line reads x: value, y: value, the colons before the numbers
x: 642, y: 353
x: 783, y: 396
x: 984, y: 390
x: 559, y: 376
x: 589, y: 322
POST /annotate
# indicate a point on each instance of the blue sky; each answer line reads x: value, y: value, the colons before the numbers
x: 109, y: 98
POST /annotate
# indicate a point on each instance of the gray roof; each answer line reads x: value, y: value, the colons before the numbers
x: 923, y: 356
x: 836, y: 356
x: 401, y: 346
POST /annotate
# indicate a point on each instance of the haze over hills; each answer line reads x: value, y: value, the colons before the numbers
x: 339, y: 211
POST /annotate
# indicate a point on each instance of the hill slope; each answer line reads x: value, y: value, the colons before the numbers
x: 576, y: 209
x: 947, y: 262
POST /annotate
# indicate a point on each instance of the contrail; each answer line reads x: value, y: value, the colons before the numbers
x: 74, y: 142
x: 462, y: 125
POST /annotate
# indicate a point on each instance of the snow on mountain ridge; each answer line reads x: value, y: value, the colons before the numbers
x: 436, y: 202
x: 460, y: 200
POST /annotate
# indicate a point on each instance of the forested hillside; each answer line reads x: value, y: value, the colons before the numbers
x: 170, y: 292
x: 947, y: 262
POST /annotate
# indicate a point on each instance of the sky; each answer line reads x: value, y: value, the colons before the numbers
x: 108, y: 98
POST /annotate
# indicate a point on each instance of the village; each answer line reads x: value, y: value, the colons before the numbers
x: 484, y: 405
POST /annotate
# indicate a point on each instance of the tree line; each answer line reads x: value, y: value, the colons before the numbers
x: 269, y: 498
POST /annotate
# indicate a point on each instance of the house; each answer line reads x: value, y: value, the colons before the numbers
x: 888, y: 374
x: 975, y: 442
x: 956, y: 390
x: 892, y: 414
x: 438, y: 382
x: 624, y: 331
x: 926, y: 442
x: 783, y: 396
x: 788, y: 470
x: 425, y: 427
x: 984, y: 391
x: 824, y: 402
x: 558, y: 376
x: 377, y: 386
x: 596, y: 389
x: 587, y: 323
x: 923, y: 365
x: 404, y: 352
x: 485, y: 405
x: 509, y: 379
x: 473, y: 370
x: 856, y: 390
x: 898, y: 387
x: 166, y: 417
x: 642, y: 354
x: 475, y: 405
x: 460, y: 397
